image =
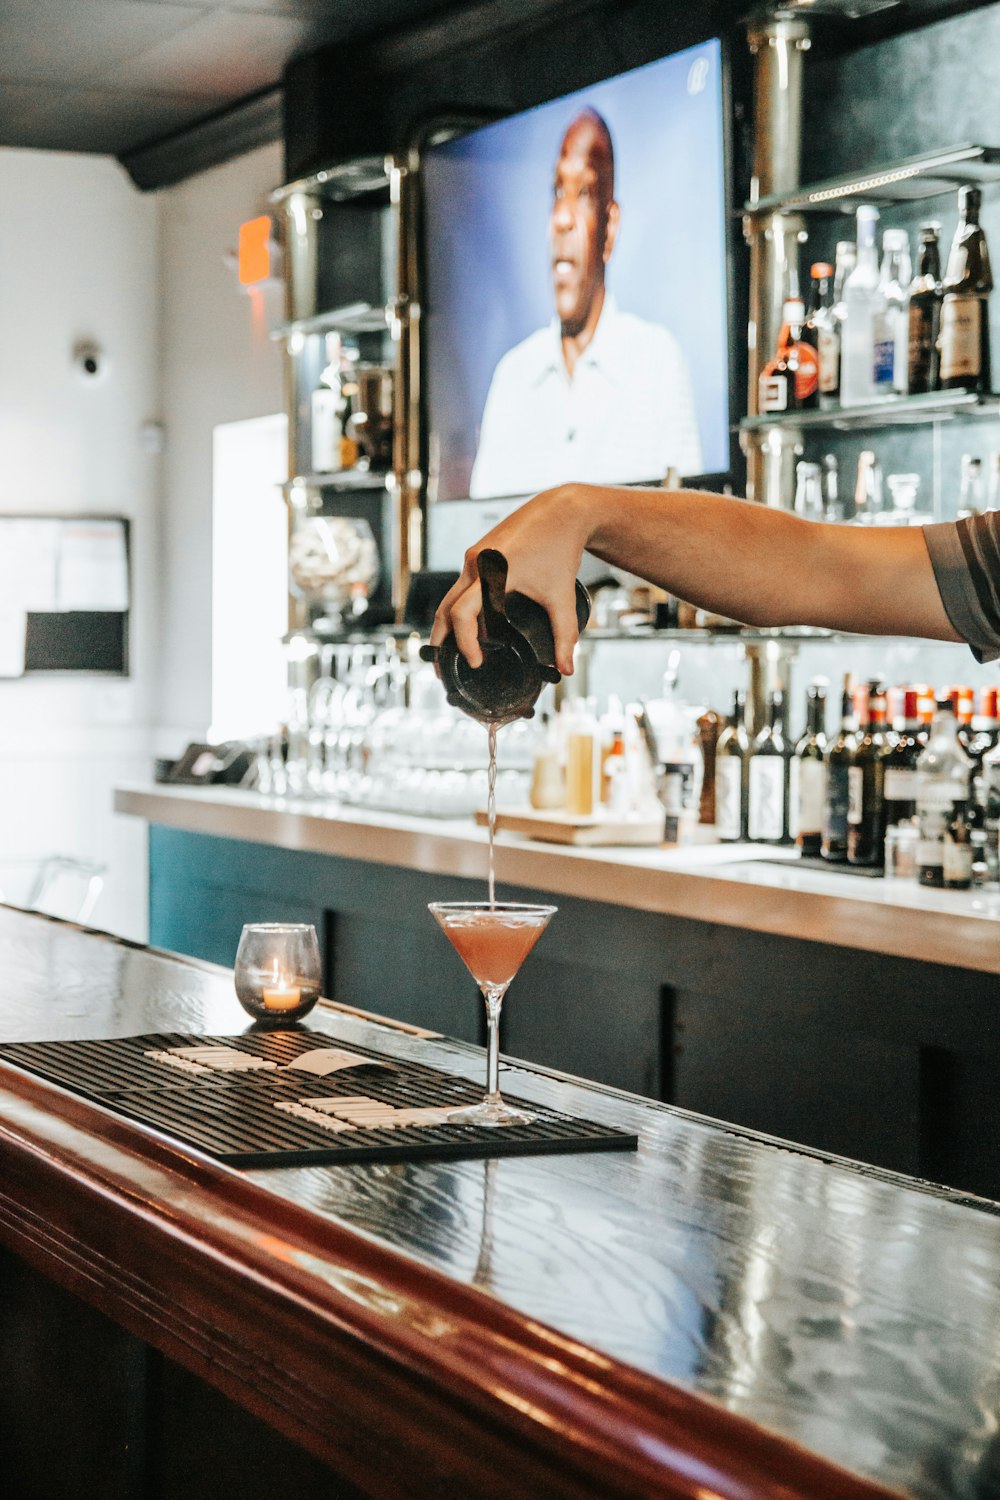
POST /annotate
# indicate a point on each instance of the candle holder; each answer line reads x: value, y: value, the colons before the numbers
x: 277, y: 973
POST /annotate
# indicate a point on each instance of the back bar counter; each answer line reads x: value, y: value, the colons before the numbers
x: 854, y: 1015
x: 714, y: 1314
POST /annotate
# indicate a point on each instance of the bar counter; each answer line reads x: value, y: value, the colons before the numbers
x: 716, y: 1314
x: 749, y: 887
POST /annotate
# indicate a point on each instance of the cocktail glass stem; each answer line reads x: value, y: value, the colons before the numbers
x: 493, y: 995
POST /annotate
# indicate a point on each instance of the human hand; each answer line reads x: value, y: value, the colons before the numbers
x: 543, y: 542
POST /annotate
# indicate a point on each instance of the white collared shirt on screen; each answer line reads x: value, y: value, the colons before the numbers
x: 627, y: 414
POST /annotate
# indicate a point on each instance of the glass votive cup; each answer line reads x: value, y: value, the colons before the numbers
x: 278, y: 972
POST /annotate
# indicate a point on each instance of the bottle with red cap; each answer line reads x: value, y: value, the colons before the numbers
x: 984, y: 727
x: 900, y: 765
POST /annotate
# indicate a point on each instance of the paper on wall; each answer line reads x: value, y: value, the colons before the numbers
x: 29, y: 555
x: 93, y: 566
x: 13, y: 635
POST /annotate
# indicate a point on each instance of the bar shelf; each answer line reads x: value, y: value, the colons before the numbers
x: 929, y: 175
x: 342, y: 182
x: 901, y: 411
x: 341, y: 479
x: 355, y: 318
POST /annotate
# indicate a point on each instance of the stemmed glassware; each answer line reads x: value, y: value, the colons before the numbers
x: 492, y: 939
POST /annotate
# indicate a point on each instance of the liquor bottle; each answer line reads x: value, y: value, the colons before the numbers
x: 906, y: 743
x: 808, y: 774
x: 709, y: 727
x: 732, y: 755
x: 327, y: 412
x: 834, y: 508
x: 819, y: 331
x: 831, y: 341
x: 890, y: 332
x: 970, y: 486
x: 790, y: 381
x: 768, y: 778
x: 965, y: 309
x: 985, y: 726
x: 864, y: 301
x: 944, y: 856
x: 865, y: 778
x: 993, y: 482
x: 925, y: 313
x: 838, y: 761
x: 868, y: 492
x: 988, y: 797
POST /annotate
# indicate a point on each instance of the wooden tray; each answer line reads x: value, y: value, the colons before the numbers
x: 554, y: 827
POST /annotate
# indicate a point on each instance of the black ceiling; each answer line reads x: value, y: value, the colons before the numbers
x: 121, y: 76
x: 173, y: 86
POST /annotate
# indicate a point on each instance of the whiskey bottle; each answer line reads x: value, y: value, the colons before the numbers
x: 808, y: 775
x: 790, y: 381
x: 865, y: 777
x: 925, y: 313
x: 731, y: 776
x: 768, y: 778
x: 965, y: 320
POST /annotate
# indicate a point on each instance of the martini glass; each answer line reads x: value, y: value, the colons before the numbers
x: 492, y: 941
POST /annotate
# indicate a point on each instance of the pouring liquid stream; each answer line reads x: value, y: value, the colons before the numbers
x: 491, y: 811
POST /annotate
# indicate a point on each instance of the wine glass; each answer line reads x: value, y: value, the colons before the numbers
x: 278, y: 972
x: 492, y: 940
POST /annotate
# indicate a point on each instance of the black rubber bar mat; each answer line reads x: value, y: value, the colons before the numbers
x: 297, y: 1097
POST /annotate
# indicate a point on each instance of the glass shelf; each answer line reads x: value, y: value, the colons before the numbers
x: 342, y: 479
x: 901, y: 411
x: 351, y: 179
x: 356, y: 317
x: 801, y: 635
x: 929, y: 175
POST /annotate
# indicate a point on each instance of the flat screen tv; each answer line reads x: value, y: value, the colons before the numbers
x: 575, y: 321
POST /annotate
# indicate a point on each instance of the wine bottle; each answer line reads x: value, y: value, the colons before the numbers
x: 925, y: 313
x: 965, y: 317
x: 943, y: 788
x: 731, y: 776
x: 808, y: 774
x: 838, y: 762
x: 906, y: 743
x: 865, y: 776
x: 768, y: 778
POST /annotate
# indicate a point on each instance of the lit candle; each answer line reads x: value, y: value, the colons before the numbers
x: 282, y: 996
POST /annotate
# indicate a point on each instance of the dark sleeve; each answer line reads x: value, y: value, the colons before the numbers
x: 965, y: 556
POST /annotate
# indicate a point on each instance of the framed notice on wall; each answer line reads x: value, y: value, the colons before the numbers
x: 64, y: 594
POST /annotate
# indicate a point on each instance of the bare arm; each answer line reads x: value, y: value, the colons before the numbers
x: 764, y: 567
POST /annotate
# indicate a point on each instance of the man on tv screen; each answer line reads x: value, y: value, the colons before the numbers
x: 600, y: 394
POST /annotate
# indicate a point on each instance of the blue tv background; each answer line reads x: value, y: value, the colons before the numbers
x: 487, y: 199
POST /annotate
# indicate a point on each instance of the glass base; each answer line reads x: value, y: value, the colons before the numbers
x: 490, y: 1112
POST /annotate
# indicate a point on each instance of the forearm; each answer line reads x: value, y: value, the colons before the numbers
x: 766, y: 567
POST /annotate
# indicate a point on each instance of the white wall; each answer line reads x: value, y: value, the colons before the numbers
x: 85, y: 255
x: 77, y: 261
x: 217, y: 365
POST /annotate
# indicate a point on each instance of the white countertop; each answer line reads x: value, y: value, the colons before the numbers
x: 735, y: 885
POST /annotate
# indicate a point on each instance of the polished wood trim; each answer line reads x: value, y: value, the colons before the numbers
x: 404, y: 1382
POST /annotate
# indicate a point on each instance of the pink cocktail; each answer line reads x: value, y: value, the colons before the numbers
x: 492, y: 940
